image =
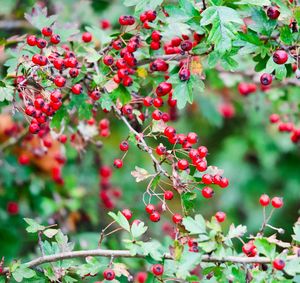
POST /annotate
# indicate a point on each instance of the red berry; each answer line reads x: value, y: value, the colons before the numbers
x: 184, y: 74
x: 158, y: 102
x: 154, y: 45
x: 59, y: 81
x: 182, y: 164
x: 104, y: 124
x: 47, y: 31
x: 273, y: 13
x: 207, y: 179
x: 124, y: 145
x: 117, y: 44
x: 23, y: 159
x: 118, y: 163
x: 148, y: 101
x: 41, y: 43
x: 163, y: 88
x: 192, y: 138
x: 175, y: 42
x: 277, y: 202
x: 186, y: 45
x: 109, y: 274
x: 278, y: 264
x: 86, y: 37
x: 220, y: 216
x: 105, y: 24
x: 12, y: 208
x: 169, y: 132
x: 108, y: 60
x: 207, y: 192
x: 31, y: 40
x: 141, y: 277
x: 150, y: 208
x: 249, y: 249
x: 202, y: 150
x: 160, y: 149
x: 126, y: 20
x: 77, y: 89
x: 168, y: 195
x: 156, y: 115
x: 157, y: 269
x: 127, y: 81
x: 156, y: 36
x: 151, y: 15
x: 55, y: 39
x: 127, y: 213
x: 223, y: 183
x: 246, y: 88
x: 73, y: 72
x: 63, y: 138
x: 105, y: 171
x: 264, y: 200
x: 280, y: 57
x: 274, y: 118
x: 155, y: 216
x: 177, y: 218
x: 266, y: 79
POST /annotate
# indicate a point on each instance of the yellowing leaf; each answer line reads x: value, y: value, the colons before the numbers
x: 196, y: 66
x: 142, y: 72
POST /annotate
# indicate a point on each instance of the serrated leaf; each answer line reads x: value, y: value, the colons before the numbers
x: 140, y: 174
x: 153, y: 248
x: 224, y: 22
x: 292, y: 267
x: 105, y: 101
x: 63, y: 243
x: 138, y: 229
x: 33, y: 226
x: 23, y: 272
x: 265, y: 248
x: 6, y: 93
x: 196, y: 225
x: 237, y: 231
x: 121, y: 220
x: 181, y: 94
x: 99, y: 34
x: 50, y: 233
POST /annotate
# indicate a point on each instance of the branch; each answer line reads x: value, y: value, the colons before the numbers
x: 172, y: 57
x: 14, y: 24
x: 127, y: 254
x: 143, y: 142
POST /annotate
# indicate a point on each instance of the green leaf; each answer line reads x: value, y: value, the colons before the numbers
x: 92, y: 267
x: 266, y: 248
x: 58, y: 117
x: 62, y: 241
x: 105, y: 101
x: 143, y: 5
x: 280, y: 72
x: 6, y: 93
x: 286, y: 35
x: 187, y: 263
x: 138, y: 229
x: 196, y: 225
x: 152, y: 248
x: 23, y: 272
x: 188, y: 200
x: 181, y: 94
x: 254, y: 2
x: 92, y: 55
x: 237, y: 231
x: 50, y: 233
x: 38, y: 18
x: 33, y: 226
x: 224, y: 21
x: 296, y: 229
x: 121, y: 220
x: 99, y: 34
x: 292, y: 267
x: 261, y: 23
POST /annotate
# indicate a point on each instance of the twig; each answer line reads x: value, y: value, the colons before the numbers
x: 163, y: 57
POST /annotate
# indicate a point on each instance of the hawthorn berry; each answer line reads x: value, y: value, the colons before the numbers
x: 31, y: 40
x: 155, y: 45
x: 274, y: 118
x: 118, y: 163
x: 151, y: 15
x: 109, y: 274
x: 264, y: 200
x: 158, y: 102
x: 59, y: 81
x: 207, y: 179
x: 160, y: 149
x: 150, y: 208
x: 55, y: 39
x: 273, y: 12
x: 77, y: 89
x: 126, y: 20
x: 246, y: 88
x: 127, y: 213
x: 223, y: 183
x: 203, y: 151
x: 156, y: 36
x: 157, y: 269
x: 177, y: 218
x: 74, y: 72
x: 155, y: 216
x: 105, y: 24
x: 169, y: 132
x: 182, y: 164
x: 41, y: 43
x: 176, y: 41
x: 280, y: 57
x: 12, y: 208
x: 124, y: 146
x: 278, y: 264
x: 163, y: 88
x: 117, y: 44
x: 47, y: 31
x: 207, y: 192
x: 186, y: 45
x: 156, y: 115
x: 108, y: 60
x: 184, y: 74
x: 105, y: 171
x: 249, y: 249
x: 86, y: 37
x: 192, y: 138
x: 220, y: 216
x: 277, y: 202
x: 141, y: 277
x: 266, y: 79
x: 23, y: 159
x: 168, y: 195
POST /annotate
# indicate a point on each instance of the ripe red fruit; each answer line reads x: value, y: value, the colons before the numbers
x: 12, y: 208
x: 31, y: 40
x: 118, y: 163
x: 186, y: 45
x: 55, y: 39
x: 105, y: 171
x: 103, y: 124
x: 47, y: 31
x: 169, y: 132
x: 23, y: 159
x: 77, y: 89
x: 273, y: 12
x: 207, y: 192
x: 127, y: 213
x: 227, y: 110
x: 150, y: 208
x: 202, y: 150
x: 58, y: 63
x: 156, y: 115
x: 117, y: 44
x: 184, y: 74
x: 192, y: 138
x: 277, y: 202
x: 74, y: 72
x: 34, y: 128
x: 160, y: 149
x: 278, y: 264
x: 105, y: 24
x: 207, y: 179
x: 177, y: 218
x: 280, y: 57
x: 163, y: 88
x: 41, y: 43
x: 63, y: 138
x: 168, y: 195
x: 249, y: 249
x: 182, y: 164
x: 264, y: 200
x: 246, y: 88
x: 157, y: 269
x: 141, y: 277
x: 266, y: 79
x: 124, y: 145
x: 155, y: 216
x: 175, y: 42
x: 156, y: 36
x: 108, y: 60
x: 86, y: 37
x: 59, y: 81
x: 274, y: 118
x: 127, y: 81
x: 220, y: 216
x: 158, y: 102
x: 148, y: 101
x: 223, y: 183
x: 126, y: 20
x: 155, y: 45
x: 109, y: 274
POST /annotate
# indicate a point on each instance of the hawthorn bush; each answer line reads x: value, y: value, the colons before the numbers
x: 89, y: 106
